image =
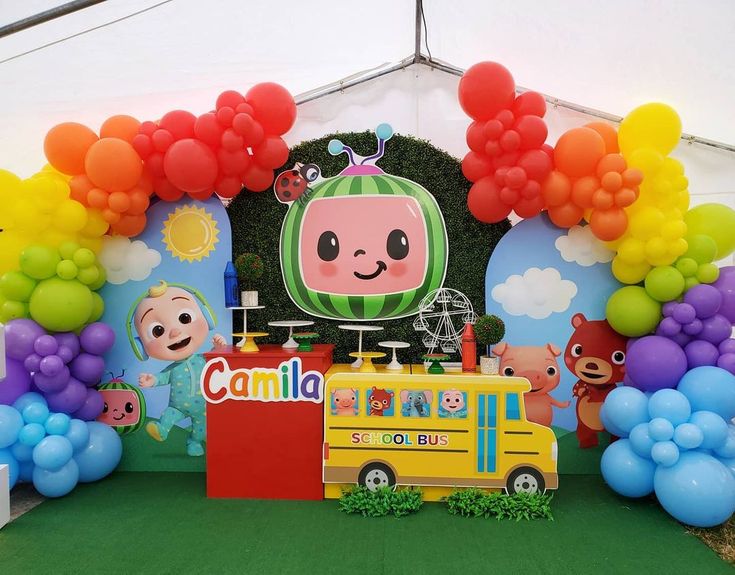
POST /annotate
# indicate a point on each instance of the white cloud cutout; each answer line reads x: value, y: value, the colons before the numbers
x: 581, y: 246
x: 537, y: 293
x: 124, y: 260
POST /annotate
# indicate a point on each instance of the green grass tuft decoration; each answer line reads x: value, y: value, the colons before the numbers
x: 381, y: 502
x: 474, y: 502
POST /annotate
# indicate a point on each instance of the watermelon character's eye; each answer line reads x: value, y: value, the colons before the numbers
x: 397, y: 245
x: 129, y: 407
x: 328, y: 246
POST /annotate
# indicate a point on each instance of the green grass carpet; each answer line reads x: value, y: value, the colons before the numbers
x: 143, y: 453
x: 163, y: 523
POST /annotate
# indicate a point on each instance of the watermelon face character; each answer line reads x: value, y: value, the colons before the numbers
x: 124, y: 408
x: 366, y: 245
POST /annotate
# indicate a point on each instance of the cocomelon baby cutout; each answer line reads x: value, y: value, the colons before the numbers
x: 362, y: 245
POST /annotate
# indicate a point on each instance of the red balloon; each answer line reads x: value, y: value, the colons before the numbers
x: 271, y: 153
x: 208, y: 130
x: 508, y: 196
x: 257, y: 179
x: 143, y: 145
x: 485, y: 89
x: 228, y: 187
x: 154, y: 165
x: 566, y: 215
x: 233, y: 163
x: 536, y: 164
x: 201, y: 196
x: 529, y: 104
x: 166, y: 190
x: 476, y: 166
x: 529, y: 207
x: 230, y: 99
x: 476, y: 137
x: 147, y: 128
x: 180, y: 123
x: 245, y: 108
x: 162, y: 140
x: 275, y: 108
x: 231, y: 141
x: 533, y: 132
x: 531, y: 191
x: 484, y: 202
x: 191, y: 166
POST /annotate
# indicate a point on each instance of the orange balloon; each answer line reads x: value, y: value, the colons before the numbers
x: 609, y: 135
x: 97, y: 198
x: 113, y: 164
x: 139, y: 202
x: 583, y: 190
x: 122, y: 126
x: 110, y: 216
x: 119, y: 202
x: 578, y: 151
x: 611, y: 163
x: 129, y: 225
x: 80, y: 186
x: 566, y: 215
x: 556, y: 189
x: 609, y: 225
x: 66, y: 146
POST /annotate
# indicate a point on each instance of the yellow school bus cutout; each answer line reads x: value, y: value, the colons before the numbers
x: 451, y: 430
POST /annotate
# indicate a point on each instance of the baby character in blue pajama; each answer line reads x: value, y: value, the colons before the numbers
x: 172, y: 325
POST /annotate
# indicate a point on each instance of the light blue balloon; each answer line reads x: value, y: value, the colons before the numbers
x: 6, y: 458
x: 57, y: 424
x: 688, y: 436
x: 625, y: 407
x: 101, y: 454
x: 728, y: 462
x: 640, y: 441
x: 665, y: 453
x: 699, y: 490
x: 660, y: 429
x: 22, y: 452
x: 27, y: 398
x: 35, y: 413
x: 710, y: 389
x: 56, y: 483
x: 11, y: 423
x: 53, y: 452
x: 31, y: 434
x: 670, y: 404
x: 26, y: 471
x: 625, y: 472
x: 727, y: 450
x: 713, y: 427
x: 609, y: 425
x: 78, y: 434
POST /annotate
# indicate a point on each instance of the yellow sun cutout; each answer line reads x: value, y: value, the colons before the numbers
x: 190, y: 233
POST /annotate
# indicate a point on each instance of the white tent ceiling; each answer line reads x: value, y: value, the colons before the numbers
x: 609, y: 56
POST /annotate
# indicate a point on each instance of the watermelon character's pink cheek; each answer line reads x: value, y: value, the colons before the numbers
x: 121, y: 407
x: 363, y: 245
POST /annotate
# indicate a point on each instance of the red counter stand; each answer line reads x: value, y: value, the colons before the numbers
x: 266, y: 450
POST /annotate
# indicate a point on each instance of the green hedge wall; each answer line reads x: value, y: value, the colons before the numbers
x: 256, y: 225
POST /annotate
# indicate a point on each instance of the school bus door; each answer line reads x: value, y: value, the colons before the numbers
x: 487, y: 438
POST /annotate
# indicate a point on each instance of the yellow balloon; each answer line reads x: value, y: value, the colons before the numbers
x: 716, y: 221
x: 96, y: 225
x: 646, y: 223
x: 629, y: 273
x: 70, y: 216
x: 632, y: 251
x: 654, y: 125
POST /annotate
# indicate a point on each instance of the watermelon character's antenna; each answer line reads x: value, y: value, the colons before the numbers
x: 367, y: 165
x: 384, y: 132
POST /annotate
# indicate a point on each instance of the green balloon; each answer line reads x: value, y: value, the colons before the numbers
x: 632, y: 312
x: 716, y: 221
x: 88, y: 275
x: 17, y: 286
x: 690, y: 282
x: 101, y: 278
x: 13, y: 310
x: 702, y: 249
x: 66, y: 270
x: 708, y: 273
x: 98, y: 307
x: 68, y: 249
x: 687, y: 266
x: 39, y: 262
x: 61, y: 305
x: 664, y: 283
x: 84, y: 257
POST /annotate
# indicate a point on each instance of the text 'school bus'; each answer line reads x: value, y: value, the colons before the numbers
x: 452, y: 430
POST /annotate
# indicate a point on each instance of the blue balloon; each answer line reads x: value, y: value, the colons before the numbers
x: 625, y: 472
x: 6, y: 458
x: 727, y: 449
x: 625, y: 407
x: 11, y: 423
x: 31, y: 434
x: 57, y: 424
x: 710, y: 389
x: 665, y: 453
x: 609, y: 425
x: 35, y: 413
x: 713, y: 427
x: 101, y: 454
x: 640, y: 441
x: 78, y: 434
x: 26, y: 471
x: 53, y: 452
x: 670, y: 404
x: 56, y: 483
x: 22, y: 452
x: 660, y: 429
x: 699, y: 490
x: 688, y: 436
x: 27, y: 398
x: 728, y: 462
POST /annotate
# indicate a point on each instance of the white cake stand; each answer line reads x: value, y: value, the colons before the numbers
x: 245, y: 318
x: 359, y: 328
x: 394, y: 345
x: 291, y: 343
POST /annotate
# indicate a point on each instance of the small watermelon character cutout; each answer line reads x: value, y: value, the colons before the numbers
x: 364, y: 245
x: 124, y: 408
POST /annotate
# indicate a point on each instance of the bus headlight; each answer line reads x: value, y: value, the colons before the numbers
x: 555, y: 451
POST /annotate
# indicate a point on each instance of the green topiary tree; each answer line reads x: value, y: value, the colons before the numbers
x: 489, y: 330
x: 249, y: 269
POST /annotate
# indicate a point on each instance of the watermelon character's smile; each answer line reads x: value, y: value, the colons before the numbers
x: 381, y: 268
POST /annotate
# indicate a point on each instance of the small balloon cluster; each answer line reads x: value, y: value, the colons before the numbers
x: 64, y: 368
x: 52, y: 450
x: 48, y: 276
x: 508, y: 159
x: 677, y: 443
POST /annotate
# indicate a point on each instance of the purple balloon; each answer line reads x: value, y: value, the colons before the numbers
x: 668, y: 327
x: 69, y: 340
x: 88, y: 368
x: 668, y: 308
x: 46, y: 345
x: 92, y: 406
x: 681, y: 339
x: 684, y: 313
x: 727, y: 346
x: 701, y: 353
x: 654, y: 363
x: 705, y: 299
x: 19, y: 337
x: 17, y: 382
x: 97, y: 338
x: 65, y: 354
x: 693, y: 328
x: 69, y: 399
x: 32, y: 363
x: 727, y: 361
x: 51, y: 383
x: 51, y: 365
x: 715, y: 329
x: 725, y: 284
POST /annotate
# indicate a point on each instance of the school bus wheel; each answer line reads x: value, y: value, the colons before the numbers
x: 525, y: 480
x: 376, y: 475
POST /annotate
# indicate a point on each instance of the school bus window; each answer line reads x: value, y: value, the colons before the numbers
x: 380, y: 402
x: 416, y: 402
x: 344, y: 401
x: 512, y: 407
x: 453, y: 404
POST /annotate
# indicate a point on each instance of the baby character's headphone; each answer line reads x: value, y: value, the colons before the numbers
x: 158, y: 291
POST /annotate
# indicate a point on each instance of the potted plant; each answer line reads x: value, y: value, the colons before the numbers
x: 489, y: 330
x: 249, y: 269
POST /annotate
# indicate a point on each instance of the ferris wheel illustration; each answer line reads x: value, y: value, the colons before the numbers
x: 443, y: 314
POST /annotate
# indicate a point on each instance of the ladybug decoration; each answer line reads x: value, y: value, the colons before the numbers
x: 293, y: 184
